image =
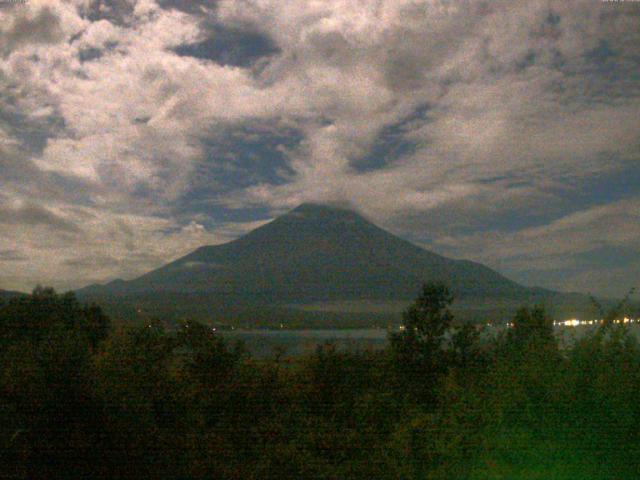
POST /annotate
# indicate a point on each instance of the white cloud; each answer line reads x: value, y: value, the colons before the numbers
x: 511, y: 92
x: 69, y: 247
x: 488, y: 117
x: 574, y: 233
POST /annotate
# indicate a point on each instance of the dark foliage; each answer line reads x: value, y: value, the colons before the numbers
x: 418, y: 350
x: 80, y: 398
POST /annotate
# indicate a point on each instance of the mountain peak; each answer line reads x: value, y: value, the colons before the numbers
x: 314, y: 253
x: 311, y: 207
x: 318, y: 207
x: 324, y: 212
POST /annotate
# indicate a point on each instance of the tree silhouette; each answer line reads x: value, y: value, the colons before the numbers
x: 531, y: 325
x: 418, y: 349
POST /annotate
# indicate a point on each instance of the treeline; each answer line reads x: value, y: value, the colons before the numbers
x: 82, y: 398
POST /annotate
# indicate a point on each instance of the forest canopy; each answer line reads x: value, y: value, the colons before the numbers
x: 81, y: 397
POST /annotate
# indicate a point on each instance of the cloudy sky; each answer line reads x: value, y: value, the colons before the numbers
x: 506, y: 132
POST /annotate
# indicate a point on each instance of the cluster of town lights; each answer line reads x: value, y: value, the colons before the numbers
x: 575, y: 322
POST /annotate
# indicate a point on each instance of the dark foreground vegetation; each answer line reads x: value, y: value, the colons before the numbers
x: 82, y: 398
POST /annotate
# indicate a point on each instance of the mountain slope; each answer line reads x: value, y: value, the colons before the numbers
x: 8, y: 294
x: 313, y: 254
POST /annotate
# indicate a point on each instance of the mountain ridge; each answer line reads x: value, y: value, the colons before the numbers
x: 313, y: 254
x: 8, y: 294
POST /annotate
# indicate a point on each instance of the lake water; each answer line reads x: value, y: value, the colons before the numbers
x: 264, y: 343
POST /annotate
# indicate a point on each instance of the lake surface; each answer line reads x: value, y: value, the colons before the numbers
x: 296, y: 342
x: 264, y: 343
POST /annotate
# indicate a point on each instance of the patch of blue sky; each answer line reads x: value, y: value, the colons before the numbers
x: 574, y: 196
x: 391, y: 143
x: 32, y: 135
x: 236, y: 159
x: 229, y: 46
